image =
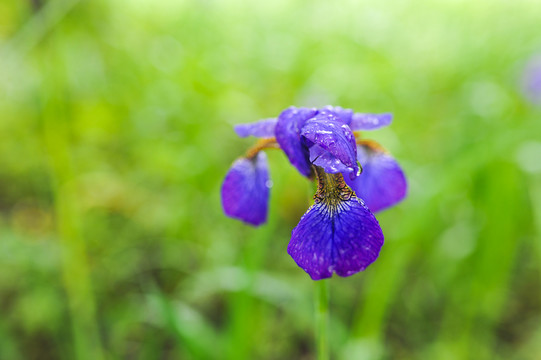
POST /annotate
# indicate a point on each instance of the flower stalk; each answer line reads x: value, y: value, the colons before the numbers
x: 322, y: 319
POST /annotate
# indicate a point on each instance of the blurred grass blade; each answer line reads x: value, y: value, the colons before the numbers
x: 471, y: 315
x: 75, y: 271
x: 39, y: 25
x: 194, y: 335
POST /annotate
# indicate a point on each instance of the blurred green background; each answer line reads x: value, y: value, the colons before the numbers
x: 116, y: 132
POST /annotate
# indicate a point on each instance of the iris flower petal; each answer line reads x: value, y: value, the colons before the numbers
x: 337, y: 234
x: 343, y: 238
x: 287, y: 131
x: 323, y: 158
x: 370, y: 121
x: 382, y: 182
x: 331, y: 134
x: 344, y: 114
x: 359, y: 121
x: 246, y: 188
x: 262, y: 128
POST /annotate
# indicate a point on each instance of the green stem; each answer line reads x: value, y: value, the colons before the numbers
x: 322, y: 319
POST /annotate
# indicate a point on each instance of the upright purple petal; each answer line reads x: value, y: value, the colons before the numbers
x: 359, y: 121
x: 344, y: 238
x: 331, y: 134
x: 344, y: 114
x: 382, y: 182
x: 370, y: 121
x: 245, y: 190
x: 262, y: 128
x: 288, y: 130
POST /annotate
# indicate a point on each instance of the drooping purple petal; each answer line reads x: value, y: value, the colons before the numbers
x: 370, y: 121
x: 262, y: 128
x: 245, y: 190
x: 331, y: 134
x: 382, y: 182
x: 287, y: 131
x: 343, y: 238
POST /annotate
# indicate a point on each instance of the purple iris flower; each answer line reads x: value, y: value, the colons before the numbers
x: 338, y: 234
x: 531, y: 81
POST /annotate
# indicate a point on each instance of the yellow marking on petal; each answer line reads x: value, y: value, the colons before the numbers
x: 332, y: 191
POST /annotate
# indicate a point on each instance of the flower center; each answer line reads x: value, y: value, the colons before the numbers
x: 332, y: 190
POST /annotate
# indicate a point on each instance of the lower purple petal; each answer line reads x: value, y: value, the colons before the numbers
x: 382, y: 182
x: 342, y: 237
x: 245, y: 190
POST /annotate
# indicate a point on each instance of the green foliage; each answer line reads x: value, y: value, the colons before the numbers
x: 116, y: 131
